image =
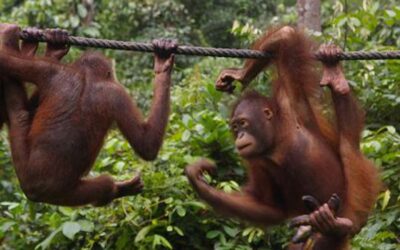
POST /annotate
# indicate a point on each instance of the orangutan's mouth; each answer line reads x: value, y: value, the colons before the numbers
x: 241, y: 147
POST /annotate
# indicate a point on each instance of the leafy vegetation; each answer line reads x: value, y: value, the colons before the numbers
x: 167, y: 215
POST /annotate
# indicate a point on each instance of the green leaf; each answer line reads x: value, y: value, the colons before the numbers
x: 391, y: 13
x: 169, y: 200
x: 247, y: 231
x: 185, y: 135
x: 91, y: 32
x: 235, y: 26
x: 70, y: 228
x: 179, y: 231
x: 46, y: 243
x: 185, y: 119
x: 82, y: 12
x: 124, y: 240
x: 111, y: 143
x: 143, y: 232
x: 391, y: 129
x: 74, y: 21
x: 86, y: 226
x: 213, y: 234
x: 199, y: 128
x: 160, y: 240
x: 119, y: 166
x: 355, y: 21
x: 10, y: 205
x: 181, y: 211
x: 66, y: 211
x: 386, y: 198
x: 5, y: 226
x: 376, y: 145
x: 196, y: 204
x: 231, y: 231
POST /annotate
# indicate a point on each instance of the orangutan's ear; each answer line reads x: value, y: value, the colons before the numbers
x: 268, y: 113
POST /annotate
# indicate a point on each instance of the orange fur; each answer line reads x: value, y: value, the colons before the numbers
x: 291, y: 149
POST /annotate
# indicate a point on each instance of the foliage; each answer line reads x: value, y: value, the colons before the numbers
x: 371, y: 25
x: 167, y: 215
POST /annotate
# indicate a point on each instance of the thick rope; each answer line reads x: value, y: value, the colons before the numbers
x: 196, y: 51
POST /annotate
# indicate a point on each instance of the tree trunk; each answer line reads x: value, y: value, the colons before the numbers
x: 90, y: 7
x: 309, y: 14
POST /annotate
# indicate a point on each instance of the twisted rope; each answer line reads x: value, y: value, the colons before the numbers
x: 39, y: 36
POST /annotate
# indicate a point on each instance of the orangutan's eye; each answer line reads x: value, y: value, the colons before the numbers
x: 234, y: 128
x: 243, y: 123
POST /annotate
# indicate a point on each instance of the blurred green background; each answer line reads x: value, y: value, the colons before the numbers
x: 168, y: 215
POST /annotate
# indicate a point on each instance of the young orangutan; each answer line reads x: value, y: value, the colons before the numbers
x: 291, y: 151
x: 78, y: 102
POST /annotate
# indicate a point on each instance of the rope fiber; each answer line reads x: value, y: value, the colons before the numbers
x: 196, y: 51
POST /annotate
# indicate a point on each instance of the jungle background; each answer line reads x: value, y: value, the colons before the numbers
x: 168, y: 215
